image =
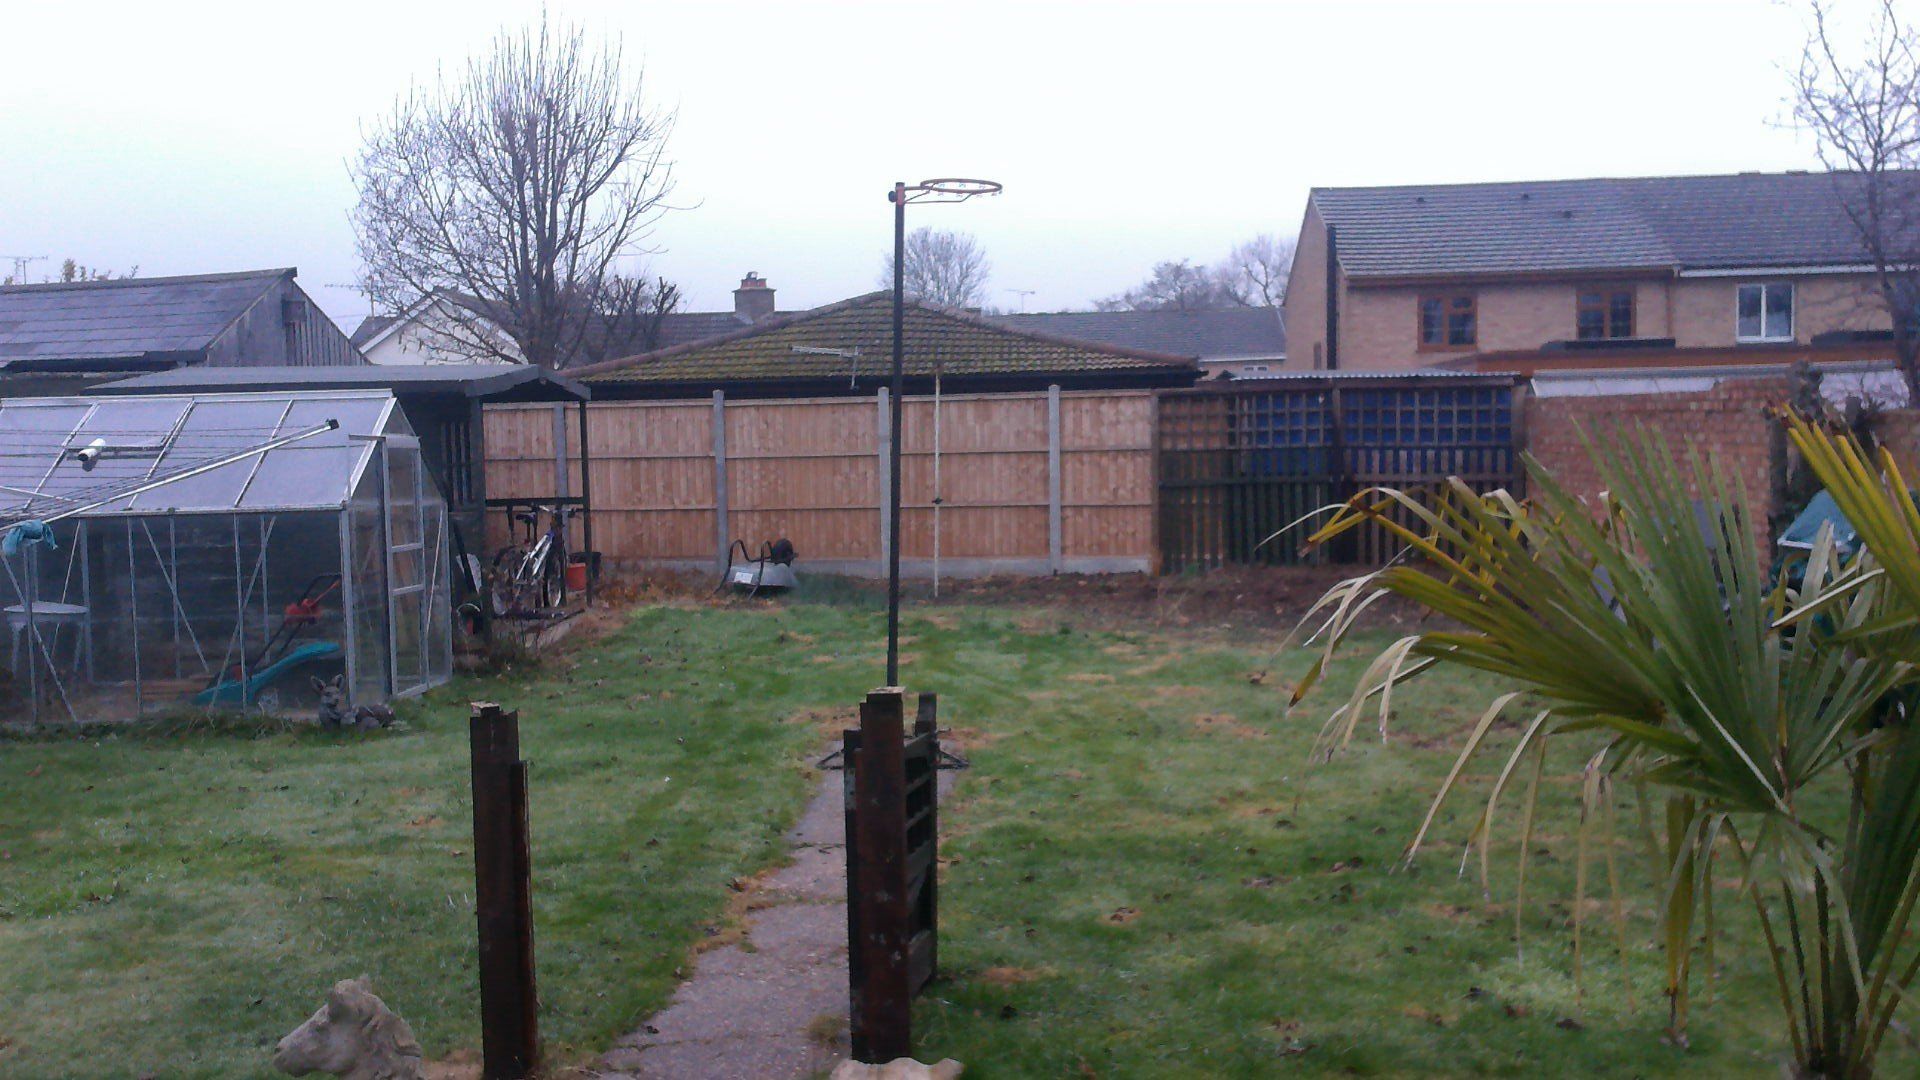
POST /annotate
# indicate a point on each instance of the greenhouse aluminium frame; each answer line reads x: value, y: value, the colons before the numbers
x: 284, y: 549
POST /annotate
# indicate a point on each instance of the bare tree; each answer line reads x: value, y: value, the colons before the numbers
x: 511, y: 191
x: 632, y: 312
x: 1863, y: 108
x: 940, y: 267
x: 72, y: 271
x: 1255, y: 272
x: 1175, y: 286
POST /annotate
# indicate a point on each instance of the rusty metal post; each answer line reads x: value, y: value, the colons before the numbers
x: 878, y: 931
x: 503, y: 896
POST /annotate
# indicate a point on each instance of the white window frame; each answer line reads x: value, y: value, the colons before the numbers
x: 1793, y: 312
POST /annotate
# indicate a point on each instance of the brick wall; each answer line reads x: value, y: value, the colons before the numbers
x: 1729, y: 420
x: 1305, y: 305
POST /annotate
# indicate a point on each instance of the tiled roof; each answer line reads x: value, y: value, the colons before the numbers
x: 126, y: 317
x: 1230, y: 334
x: 370, y: 326
x: 1684, y: 222
x: 952, y: 342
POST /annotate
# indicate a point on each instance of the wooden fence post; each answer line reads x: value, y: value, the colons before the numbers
x: 877, y: 915
x: 503, y: 896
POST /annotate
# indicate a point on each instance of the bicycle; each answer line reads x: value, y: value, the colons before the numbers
x: 531, y: 576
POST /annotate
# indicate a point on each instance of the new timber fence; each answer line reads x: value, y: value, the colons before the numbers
x: 1028, y: 483
x: 1032, y: 483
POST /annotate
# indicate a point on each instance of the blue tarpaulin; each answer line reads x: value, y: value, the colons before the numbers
x: 1821, y: 510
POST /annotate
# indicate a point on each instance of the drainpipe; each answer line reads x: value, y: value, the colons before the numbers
x: 1333, y: 300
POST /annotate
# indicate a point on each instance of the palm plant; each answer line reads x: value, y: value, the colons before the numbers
x: 1645, y: 630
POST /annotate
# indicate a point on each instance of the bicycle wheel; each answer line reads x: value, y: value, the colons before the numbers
x: 553, y: 578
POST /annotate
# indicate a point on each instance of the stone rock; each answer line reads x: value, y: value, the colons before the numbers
x: 355, y: 1036
x: 897, y: 1069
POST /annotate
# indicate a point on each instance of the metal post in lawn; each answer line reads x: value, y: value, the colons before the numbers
x: 503, y: 896
x: 899, y: 198
x: 939, y: 190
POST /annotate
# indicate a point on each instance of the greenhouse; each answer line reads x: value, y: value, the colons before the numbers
x: 194, y: 552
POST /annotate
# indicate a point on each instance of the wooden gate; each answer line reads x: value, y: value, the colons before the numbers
x: 1239, y: 462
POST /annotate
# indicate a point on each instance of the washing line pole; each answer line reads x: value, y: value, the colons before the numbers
x: 946, y: 189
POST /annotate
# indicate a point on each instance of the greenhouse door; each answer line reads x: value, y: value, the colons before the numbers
x: 415, y: 566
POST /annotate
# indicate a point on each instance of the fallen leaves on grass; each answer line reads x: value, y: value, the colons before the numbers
x: 1090, y: 677
x: 1123, y: 916
x: 1345, y: 865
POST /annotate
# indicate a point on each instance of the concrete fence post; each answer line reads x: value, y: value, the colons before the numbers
x: 884, y: 417
x: 722, y: 529
x: 1055, y: 556
x: 560, y: 479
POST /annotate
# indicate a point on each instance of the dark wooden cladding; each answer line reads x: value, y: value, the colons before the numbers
x: 503, y: 896
x: 893, y: 826
x: 1239, y: 464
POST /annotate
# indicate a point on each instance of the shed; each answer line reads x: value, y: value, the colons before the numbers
x: 218, y: 550
x: 65, y: 336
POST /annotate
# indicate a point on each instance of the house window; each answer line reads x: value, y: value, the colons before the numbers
x: 1603, y: 313
x: 1448, y: 322
x: 1253, y: 369
x: 1764, y: 312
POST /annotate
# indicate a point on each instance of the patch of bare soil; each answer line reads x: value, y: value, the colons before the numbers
x: 1236, y: 597
x: 1008, y: 976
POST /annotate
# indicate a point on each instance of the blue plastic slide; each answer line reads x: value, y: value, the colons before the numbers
x: 230, y: 691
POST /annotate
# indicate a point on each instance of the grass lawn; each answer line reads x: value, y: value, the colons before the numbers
x: 1144, y: 877
x: 172, y: 904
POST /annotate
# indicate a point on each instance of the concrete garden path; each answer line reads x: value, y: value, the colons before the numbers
x: 774, y: 1004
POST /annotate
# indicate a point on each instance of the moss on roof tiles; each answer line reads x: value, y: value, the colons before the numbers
x: 953, y: 343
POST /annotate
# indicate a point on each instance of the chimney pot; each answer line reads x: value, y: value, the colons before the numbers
x: 753, y: 300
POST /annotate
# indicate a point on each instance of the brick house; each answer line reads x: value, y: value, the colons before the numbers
x: 1654, y: 271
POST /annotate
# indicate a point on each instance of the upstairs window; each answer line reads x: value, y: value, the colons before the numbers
x: 1764, y: 312
x: 1603, y: 313
x: 1448, y: 322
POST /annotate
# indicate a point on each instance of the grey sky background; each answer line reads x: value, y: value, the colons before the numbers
x: 199, y: 137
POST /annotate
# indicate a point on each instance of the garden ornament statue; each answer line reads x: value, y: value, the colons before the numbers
x: 898, y: 1069
x: 336, y: 713
x: 355, y: 1036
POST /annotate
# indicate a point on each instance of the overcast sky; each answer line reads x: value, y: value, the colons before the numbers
x: 194, y: 137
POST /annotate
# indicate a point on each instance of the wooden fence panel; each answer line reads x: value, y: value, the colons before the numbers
x: 812, y: 470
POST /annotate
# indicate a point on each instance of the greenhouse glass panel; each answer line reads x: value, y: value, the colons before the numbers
x: 209, y: 551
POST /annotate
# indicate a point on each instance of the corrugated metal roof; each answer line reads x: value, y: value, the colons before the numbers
x: 126, y: 317
x: 1679, y: 222
x: 467, y: 380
